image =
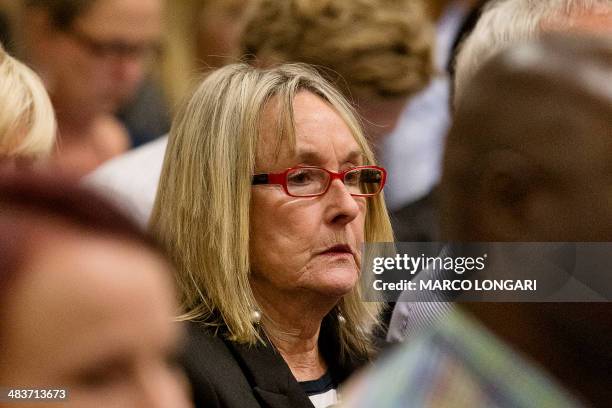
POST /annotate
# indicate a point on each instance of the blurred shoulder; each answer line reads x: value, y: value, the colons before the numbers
x: 205, y: 341
x: 144, y: 163
x: 216, y: 377
x: 131, y: 179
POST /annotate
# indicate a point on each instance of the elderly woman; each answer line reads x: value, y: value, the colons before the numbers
x: 268, y: 191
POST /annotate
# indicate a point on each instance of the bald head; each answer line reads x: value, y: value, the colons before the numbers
x: 531, y: 143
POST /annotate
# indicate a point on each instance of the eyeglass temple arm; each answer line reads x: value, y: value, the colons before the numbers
x: 260, y: 179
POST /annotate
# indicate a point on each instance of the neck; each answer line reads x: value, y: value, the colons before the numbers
x: 571, y: 355
x: 293, y: 328
x: 77, y: 126
x: 299, y: 348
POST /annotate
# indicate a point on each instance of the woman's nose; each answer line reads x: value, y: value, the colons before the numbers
x: 342, y: 206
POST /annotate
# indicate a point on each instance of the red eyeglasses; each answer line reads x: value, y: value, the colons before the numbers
x: 310, y: 181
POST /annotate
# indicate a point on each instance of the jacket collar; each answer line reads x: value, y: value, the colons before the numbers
x: 271, y: 379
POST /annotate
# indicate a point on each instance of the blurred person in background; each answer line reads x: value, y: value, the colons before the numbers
x: 412, y: 152
x: 27, y: 121
x: 198, y: 35
x: 92, y: 56
x: 7, y: 10
x: 201, y: 35
x: 378, y: 53
x: 503, y: 24
x: 527, y: 160
x: 4, y: 28
x: 87, y: 302
x: 268, y: 190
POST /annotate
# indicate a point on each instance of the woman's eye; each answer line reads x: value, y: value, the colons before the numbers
x: 353, y: 177
x: 300, y: 177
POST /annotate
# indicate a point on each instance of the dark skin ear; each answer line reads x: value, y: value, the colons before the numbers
x: 510, y: 188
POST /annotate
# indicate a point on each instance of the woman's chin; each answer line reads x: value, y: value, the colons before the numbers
x: 338, y: 281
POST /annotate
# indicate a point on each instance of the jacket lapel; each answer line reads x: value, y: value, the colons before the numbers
x: 269, y: 376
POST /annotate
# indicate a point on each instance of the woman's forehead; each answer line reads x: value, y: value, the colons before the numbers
x: 319, y: 133
x: 335, y: 155
x: 307, y: 148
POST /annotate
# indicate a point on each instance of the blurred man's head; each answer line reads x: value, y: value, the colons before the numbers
x: 529, y: 157
x: 506, y: 22
x: 92, y: 54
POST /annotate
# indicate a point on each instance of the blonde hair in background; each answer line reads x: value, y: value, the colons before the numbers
x: 379, y: 47
x: 181, y: 66
x: 507, y: 22
x: 27, y: 119
x: 202, y: 210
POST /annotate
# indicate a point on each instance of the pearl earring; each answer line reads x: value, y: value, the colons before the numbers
x: 255, y: 316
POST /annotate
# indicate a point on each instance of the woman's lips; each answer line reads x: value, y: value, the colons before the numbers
x: 338, y: 250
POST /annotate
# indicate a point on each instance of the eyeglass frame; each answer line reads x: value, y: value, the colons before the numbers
x: 113, y: 49
x: 281, y: 179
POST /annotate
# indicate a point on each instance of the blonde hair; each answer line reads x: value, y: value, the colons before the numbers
x: 378, y: 47
x: 180, y: 65
x: 201, y: 213
x: 27, y: 120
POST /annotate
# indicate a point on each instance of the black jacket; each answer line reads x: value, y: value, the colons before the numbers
x: 231, y: 375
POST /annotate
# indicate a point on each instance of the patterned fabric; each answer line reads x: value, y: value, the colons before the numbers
x: 458, y: 364
x: 417, y: 311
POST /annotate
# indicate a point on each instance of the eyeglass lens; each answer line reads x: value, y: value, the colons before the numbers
x: 312, y: 181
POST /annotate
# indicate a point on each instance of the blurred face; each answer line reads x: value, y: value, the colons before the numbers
x: 306, y: 245
x: 93, y: 315
x: 98, y: 63
x: 577, y: 206
x: 380, y: 116
x: 15, y: 164
x: 219, y: 31
x: 556, y: 185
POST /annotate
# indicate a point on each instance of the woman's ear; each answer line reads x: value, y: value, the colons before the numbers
x: 509, y: 185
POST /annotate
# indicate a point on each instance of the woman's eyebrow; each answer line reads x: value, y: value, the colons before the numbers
x: 311, y: 156
x: 354, y: 156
